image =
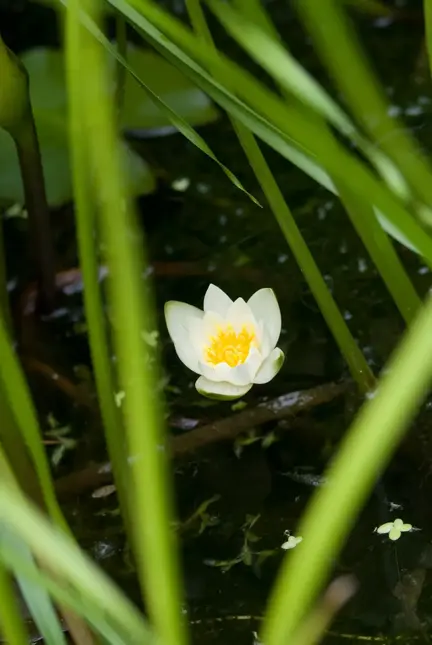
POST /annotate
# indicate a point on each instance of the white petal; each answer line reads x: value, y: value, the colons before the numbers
x: 197, y: 336
x: 265, y: 307
x: 395, y: 533
x: 270, y: 366
x: 216, y: 300
x: 239, y: 314
x: 218, y: 373
x: 178, y: 317
x: 222, y: 391
x: 211, y: 322
x: 238, y: 375
x: 253, y: 363
x: 385, y: 528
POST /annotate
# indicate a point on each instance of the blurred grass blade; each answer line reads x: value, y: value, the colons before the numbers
x: 66, y: 596
x: 37, y: 600
x: 59, y: 553
x: 382, y: 253
x: 310, y: 137
x: 354, y: 357
x: 337, y: 44
x: 277, y: 60
x: 23, y: 409
x: 284, y: 68
x: 85, y: 207
x: 121, y: 49
x: 337, y: 594
x: 151, y: 503
x: 177, y: 121
x: 427, y: 6
x: 372, y: 439
x: 358, y: 366
x: 11, y: 622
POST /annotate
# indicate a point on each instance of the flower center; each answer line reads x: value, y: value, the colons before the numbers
x: 229, y: 347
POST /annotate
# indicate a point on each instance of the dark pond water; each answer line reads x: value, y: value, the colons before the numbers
x: 212, y: 233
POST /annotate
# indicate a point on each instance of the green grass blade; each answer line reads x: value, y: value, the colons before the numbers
x: 21, y: 403
x: 155, y: 544
x: 66, y: 596
x: 311, y: 138
x: 11, y: 623
x: 121, y: 40
x: 59, y: 553
x: 263, y: 44
x: 427, y: 8
x: 87, y: 246
x: 354, y: 357
x: 357, y: 364
x: 255, y: 12
x: 382, y: 253
x: 177, y: 121
x: 338, y: 46
x: 37, y: 600
x: 363, y: 455
x: 266, y: 49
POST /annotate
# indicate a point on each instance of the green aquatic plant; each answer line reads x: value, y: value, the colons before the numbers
x: 376, y: 185
x: 17, y: 124
x: 394, y: 529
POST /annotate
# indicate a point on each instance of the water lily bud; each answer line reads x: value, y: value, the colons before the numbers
x: 14, y: 91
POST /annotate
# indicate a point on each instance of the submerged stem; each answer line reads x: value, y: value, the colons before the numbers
x: 27, y: 145
x: 16, y: 117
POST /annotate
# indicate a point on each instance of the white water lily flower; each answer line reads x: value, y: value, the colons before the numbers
x: 232, y: 345
x: 394, y: 529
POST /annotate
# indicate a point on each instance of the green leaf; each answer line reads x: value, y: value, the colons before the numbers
x: 273, y: 122
x: 53, y: 139
x: 170, y: 85
x: 171, y: 115
x: 50, y: 105
x: 84, y: 586
x: 37, y: 599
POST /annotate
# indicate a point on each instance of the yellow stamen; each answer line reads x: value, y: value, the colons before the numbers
x: 230, y: 347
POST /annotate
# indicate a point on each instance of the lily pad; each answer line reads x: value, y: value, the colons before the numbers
x: 170, y: 85
x: 48, y: 88
x: 50, y: 105
x: 53, y: 138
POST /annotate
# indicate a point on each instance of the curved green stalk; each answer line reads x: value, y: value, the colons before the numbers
x: 288, y: 122
x: 382, y: 253
x: 294, y: 78
x: 339, y: 48
x: 85, y: 207
x: 363, y: 455
x: 356, y: 362
x: 427, y: 8
x: 11, y: 622
x: 104, y: 602
x: 151, y: 504
x: 16, y: 117
x: 121, y: 41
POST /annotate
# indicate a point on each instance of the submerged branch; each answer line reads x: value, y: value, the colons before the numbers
x: 287, y: 405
